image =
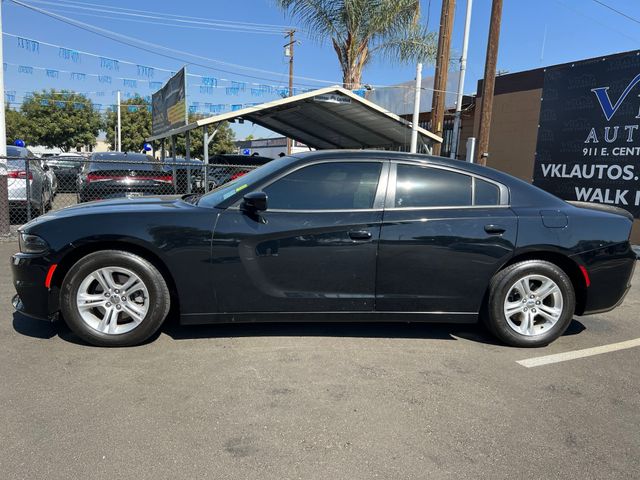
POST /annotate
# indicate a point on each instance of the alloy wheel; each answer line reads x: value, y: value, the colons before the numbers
x: 533, y: 305
x: 112, y: 300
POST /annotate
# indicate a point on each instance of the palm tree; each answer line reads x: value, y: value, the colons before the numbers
x: 362, y: 29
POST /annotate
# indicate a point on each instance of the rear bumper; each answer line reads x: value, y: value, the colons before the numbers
x: 33, y: 298
x: 610, y: 272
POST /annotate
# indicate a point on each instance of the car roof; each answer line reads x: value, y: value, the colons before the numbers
x: 122, y: 156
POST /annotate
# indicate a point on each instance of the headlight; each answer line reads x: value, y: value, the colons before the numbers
x: 32, y: 243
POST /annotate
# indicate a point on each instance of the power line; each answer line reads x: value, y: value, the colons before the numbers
x: 130, y: 41
x: 191, y: 27
x: 581, y: 13
x: 236, y: 26
x: 122, y: 9
x: 629, y: 17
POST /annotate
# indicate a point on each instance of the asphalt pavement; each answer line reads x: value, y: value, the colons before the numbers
x: 314, y: 401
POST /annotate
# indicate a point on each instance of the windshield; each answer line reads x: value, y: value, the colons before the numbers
x: 245, y: 182
x: 65, y: 161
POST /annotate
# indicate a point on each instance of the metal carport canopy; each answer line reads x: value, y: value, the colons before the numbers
x: 327, y: 118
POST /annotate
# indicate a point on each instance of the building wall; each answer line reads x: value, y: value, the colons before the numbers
x: 514, y: 132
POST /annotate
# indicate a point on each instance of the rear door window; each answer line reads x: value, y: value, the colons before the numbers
x: 419, y: 187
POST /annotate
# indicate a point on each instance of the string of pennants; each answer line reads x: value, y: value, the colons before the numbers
x: 194, y: 107
x: 209, y: 85
x: 148, y: 75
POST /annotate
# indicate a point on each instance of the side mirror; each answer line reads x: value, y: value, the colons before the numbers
x: 254, y: 202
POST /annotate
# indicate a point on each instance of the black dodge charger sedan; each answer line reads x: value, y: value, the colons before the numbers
x: 330, y: 236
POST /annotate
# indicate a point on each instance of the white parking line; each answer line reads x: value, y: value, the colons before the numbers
x: 587, y: 352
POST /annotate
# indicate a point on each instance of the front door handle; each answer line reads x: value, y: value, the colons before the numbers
x: 494, y: 229
x: 360, y: 235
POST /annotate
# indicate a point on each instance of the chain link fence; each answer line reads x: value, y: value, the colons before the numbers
x: 35, y: 186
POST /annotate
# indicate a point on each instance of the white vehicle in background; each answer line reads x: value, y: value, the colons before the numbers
x: 23, y: 167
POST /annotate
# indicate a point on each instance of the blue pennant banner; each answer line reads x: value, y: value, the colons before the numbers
x: 53, y: 73
x: 44, y: 102
x: 206, y: 90
x: 69, y: 54
x: 60, y: 104
x: 10, y: 96
x: 133, y: 108
x: 96, y: 106
x: 104, y: 79
x: 99, y: 94
x: 242, y: 86
x: 130, y: 82
x: 232, y: 90
x: 109, y: 64
x: 29, y: 45
x: 155, y: 85
x: 144, y: 71
x: 210, y: 81
x: 78, y: 105
x: 25, y: 69
x: 236, y: 107
x: 78, y: 76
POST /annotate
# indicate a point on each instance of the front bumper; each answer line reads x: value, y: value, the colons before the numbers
x: 33, y: 298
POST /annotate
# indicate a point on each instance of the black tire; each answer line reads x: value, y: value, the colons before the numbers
x: 500, y: 286
x: 159, y: 298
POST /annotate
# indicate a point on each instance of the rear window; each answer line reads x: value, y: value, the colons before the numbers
x: 65, y: 161
x: 137, y: 166
x: 15, y: 164
x: 15, y: 152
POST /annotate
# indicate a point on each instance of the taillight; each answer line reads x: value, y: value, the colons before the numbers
x: 19, y: 174
x: 237, y: 175
x: 92, y: 177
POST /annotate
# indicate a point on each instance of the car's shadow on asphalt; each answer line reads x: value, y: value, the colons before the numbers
x: 433, y: 331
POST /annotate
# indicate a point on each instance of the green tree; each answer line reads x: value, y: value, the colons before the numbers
x: 60, y: 118
x: 16, y: 126
x: 222, y: 140
x: 362, y: 29
x: 135, y: 119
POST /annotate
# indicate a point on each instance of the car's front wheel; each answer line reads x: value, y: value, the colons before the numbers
x: 531, y: 303
x: 114, y: 298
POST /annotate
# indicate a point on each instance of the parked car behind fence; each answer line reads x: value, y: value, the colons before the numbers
x: 88, y: 177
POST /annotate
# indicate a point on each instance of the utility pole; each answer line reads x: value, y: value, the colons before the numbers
x: 442, y: 70
x: 489, y: 82
x: 288, y: 51
x: 4, y: 189
x: 119, y: 126
x: 455, y: 139
x: 416, y: 110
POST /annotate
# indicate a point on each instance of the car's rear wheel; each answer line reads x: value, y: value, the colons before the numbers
x: 114, y: 298
x: 531, y: 303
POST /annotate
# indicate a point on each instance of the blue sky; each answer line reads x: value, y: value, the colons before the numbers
x: 575, y: 29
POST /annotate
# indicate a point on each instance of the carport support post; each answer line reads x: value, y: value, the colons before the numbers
x: 173, y: 163
x: 205, y: 157
x: 187, y: 156
x: 416, y: 110
x: 4, y: 188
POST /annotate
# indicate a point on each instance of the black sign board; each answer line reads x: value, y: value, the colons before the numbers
x: 589, y: 134
x: 169, y: 105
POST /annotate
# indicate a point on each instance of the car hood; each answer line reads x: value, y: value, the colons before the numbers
x: 145, y: 204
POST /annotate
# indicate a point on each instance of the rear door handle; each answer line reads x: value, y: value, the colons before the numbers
x: 494, y: 229
x: 360, y: 235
